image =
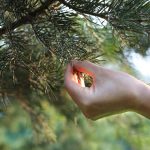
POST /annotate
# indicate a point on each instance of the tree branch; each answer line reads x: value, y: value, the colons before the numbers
x: 101, y: 15
x: 26, y: 19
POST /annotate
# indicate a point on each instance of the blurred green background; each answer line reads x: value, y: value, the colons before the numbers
x: 126, y: 131
x: 32, y: 121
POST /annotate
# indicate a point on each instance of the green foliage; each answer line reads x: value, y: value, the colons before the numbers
x: 127, y: 131
x: 37, y: 39
x: 34, y: 33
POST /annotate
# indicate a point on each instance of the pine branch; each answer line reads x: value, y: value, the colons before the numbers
x: 122, y: 15
x: 26, y: 19
x: 101, y: 15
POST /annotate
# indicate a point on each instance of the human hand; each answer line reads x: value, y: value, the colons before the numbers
x: 111, y: 91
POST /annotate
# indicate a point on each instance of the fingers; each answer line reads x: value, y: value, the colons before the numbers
x: 85, y: 66
x: 74, y: 89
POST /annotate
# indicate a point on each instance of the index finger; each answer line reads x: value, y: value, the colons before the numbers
x: 85, y: 67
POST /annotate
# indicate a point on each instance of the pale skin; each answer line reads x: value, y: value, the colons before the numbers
x: 111, y: 92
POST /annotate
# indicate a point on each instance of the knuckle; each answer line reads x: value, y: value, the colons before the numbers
x: 87, y: 109
x: 88, y: 115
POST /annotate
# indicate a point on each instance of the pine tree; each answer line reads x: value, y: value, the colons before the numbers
x: 39, y: 37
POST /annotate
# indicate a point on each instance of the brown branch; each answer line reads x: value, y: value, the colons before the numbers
x: 26, y: 19
x: 101, y: 15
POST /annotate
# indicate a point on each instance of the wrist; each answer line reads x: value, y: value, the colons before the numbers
x: 143, y: 100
